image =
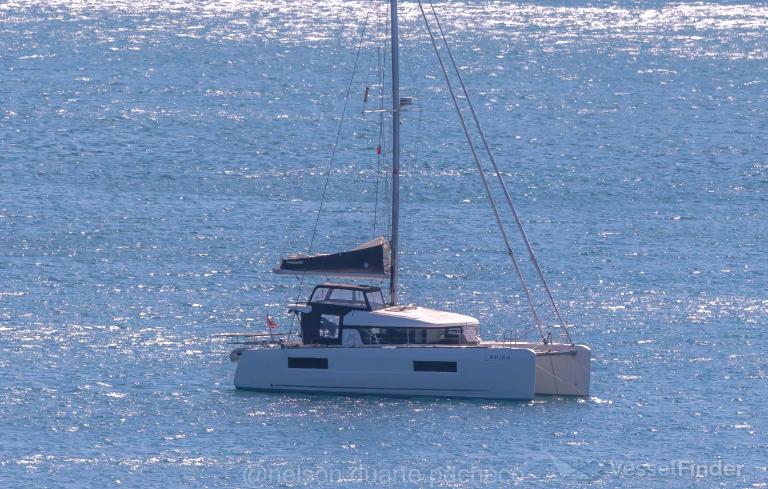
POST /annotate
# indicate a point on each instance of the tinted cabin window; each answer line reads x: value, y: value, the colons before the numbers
x: 304, y: 362
x: 339, y: 297
x: 417, y: 336
x: 393, y: 336
x: 430, y: 366
x: 384, y: 336
x: 369, y: 335
x: 452, y: 336
x: 329, y: 326
x: 411, y: 336
x: 375, y: 300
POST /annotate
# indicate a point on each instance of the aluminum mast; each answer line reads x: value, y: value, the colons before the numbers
x: 395, y: 154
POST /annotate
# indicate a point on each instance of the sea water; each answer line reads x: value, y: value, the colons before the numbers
x: 157, y: 158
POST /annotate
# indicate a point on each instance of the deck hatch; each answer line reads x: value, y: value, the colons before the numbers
x: 307, y: 362
x: 433, y: 366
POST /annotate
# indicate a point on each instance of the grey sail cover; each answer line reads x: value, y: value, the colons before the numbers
x: 368, y: 261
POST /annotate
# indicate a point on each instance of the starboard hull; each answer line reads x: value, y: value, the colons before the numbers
x: 563, y: 371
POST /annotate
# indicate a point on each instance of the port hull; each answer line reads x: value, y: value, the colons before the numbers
x: 470, y: 372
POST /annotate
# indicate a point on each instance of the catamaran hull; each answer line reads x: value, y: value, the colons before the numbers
x: 561, y: 369
x: 489, y: 373
x: 564, y: 371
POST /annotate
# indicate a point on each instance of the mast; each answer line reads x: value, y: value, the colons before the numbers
x: 395, y: 154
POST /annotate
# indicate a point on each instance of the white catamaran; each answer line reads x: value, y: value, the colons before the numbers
x: 352, y: 341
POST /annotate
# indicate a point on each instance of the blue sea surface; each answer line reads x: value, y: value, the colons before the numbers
x: 157, y: 158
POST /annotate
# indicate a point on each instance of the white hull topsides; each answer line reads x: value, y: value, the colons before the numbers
x: 487, y: 370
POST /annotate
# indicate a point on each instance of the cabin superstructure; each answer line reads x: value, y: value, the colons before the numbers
x: 356, y: 315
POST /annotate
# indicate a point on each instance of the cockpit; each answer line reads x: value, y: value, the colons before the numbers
x: 322, y: 319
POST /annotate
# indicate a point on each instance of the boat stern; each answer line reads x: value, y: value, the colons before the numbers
x: 563, y: 370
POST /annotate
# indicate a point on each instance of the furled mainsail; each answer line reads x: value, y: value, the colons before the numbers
x: 368, y: 261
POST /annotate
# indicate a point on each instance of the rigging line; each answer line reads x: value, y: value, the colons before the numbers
x: 316, y: 127
x: 333, y: 156
x: 482, y: 173
x: 378, y: 166
x: 381, y: 114
x: 338, y: 133
x: 369, y: 64
x: 384, y: 121
x: 371, y: 79
x: 503, y: 184
x: 414, y: 148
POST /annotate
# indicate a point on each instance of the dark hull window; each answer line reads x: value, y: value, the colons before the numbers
x: 423, y: 366
x: 302, y: 362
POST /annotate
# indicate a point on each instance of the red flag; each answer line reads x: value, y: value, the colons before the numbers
x: 378, y: 149
x: 271, y: 324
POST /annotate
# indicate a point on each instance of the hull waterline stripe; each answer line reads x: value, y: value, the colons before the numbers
x: 423, y: 389
x: 487, y: 395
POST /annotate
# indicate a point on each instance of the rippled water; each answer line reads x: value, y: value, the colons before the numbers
x: 158, y: 157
